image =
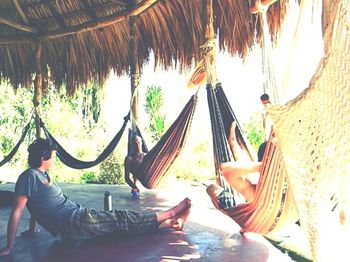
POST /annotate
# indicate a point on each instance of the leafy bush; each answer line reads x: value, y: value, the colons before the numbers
x: 254, y: 131
x: 111, y: 171
x: 89, y: 178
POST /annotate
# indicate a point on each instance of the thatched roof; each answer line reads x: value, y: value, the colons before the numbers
x: 84, y: 39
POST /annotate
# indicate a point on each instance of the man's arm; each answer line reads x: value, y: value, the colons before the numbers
x: 17, y: 210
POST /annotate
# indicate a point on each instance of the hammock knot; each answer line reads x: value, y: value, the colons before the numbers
x: 208, y: 47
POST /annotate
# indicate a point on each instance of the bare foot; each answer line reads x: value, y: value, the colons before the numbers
x: 174, y: 211
x: 177, y: 223
x: 181, y: 207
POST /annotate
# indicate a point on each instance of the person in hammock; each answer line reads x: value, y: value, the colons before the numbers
x: 132, y: 163
x: 267, y: 125
x: 60, y: 215
x: 236, y: 174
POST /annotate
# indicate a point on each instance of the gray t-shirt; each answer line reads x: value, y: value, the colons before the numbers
x: 46, y: 201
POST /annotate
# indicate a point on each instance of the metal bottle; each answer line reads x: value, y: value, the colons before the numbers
x: 107, y: 202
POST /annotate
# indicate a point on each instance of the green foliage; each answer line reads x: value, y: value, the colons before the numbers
x: 153, y: 106
x: 63, y: 116
x: 111, y: 171
x: 84, y: 137
x: 254, y: 131
x: 89, y: 177
x: 15, y: 111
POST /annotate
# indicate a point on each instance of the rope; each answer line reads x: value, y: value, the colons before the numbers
x: 20, y: 141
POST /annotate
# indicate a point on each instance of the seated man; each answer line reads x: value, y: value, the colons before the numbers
x: 235, y: 173
x: 132, y: 163
x: 60, y: 215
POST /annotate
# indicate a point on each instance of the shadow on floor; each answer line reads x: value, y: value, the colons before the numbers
x: 207, y: 236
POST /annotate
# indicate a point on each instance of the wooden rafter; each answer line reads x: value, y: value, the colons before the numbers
x: 20, y: 11
x: 17, y: 25
x: 86, y: 27
x: 91, y: 12
x: 57, y: 16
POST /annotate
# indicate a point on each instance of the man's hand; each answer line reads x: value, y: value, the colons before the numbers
x: 30, y: 233
x: 5, y: 251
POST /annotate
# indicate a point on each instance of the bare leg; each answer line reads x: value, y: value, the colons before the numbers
x: 238, y: 169
x: 135, y: 181
x: 127, y: 163
x: 233, y: 141
x: 234, y: 172
x: 238, y: 152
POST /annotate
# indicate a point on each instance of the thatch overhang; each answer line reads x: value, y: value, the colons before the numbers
x: 83, y: 40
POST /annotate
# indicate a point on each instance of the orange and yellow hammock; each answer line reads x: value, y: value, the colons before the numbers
x: 273, y: 205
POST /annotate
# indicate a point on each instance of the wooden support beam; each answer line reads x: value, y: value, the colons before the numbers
x: 134, y: 71
x: 209, y: 48
x: 209, y: 31
x: 100, y: 23
x: 20, y: 11
x: 17, y: 25
x: 103, y: 22
x: 38, y: 87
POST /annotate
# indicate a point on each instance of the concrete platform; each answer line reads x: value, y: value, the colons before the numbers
x: 207, y: 236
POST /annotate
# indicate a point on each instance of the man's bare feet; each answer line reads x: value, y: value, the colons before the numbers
x: 180, y: 208
x: 175, y: 216
x: 177, y: 223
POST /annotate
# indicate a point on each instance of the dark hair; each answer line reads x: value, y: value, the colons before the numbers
x: 261, y: 151
x: 264, y: 97
x: 39, y: 149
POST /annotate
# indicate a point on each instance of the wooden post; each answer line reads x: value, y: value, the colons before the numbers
x: 209, y: 48
x: 134, y: 72
x: 209, y: 29
x: 38, y: 87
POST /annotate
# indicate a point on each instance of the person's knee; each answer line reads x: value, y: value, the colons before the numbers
x: 128, y: 159
x: 214, y: 190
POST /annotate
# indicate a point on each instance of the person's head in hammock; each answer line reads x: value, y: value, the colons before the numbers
x: 137, y: 142
x: 265, y: 99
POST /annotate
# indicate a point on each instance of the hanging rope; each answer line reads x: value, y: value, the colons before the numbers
x: 20, y: 141
x: 269, y: 82
x: 72, y: 162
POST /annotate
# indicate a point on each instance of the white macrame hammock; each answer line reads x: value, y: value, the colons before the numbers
x: 313, y: 133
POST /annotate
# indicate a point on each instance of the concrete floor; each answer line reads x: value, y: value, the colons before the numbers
x: 207, y: 236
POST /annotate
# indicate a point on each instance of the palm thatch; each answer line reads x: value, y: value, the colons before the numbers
x: 83, y: 40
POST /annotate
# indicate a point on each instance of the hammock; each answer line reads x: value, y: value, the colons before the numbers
x: 72, y: 162
x: 272, y: 206
x: 314, y: 143
x: 159, y: 159
x: 16, y: 147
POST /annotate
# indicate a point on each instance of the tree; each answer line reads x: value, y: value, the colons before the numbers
x: 154, y: 103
